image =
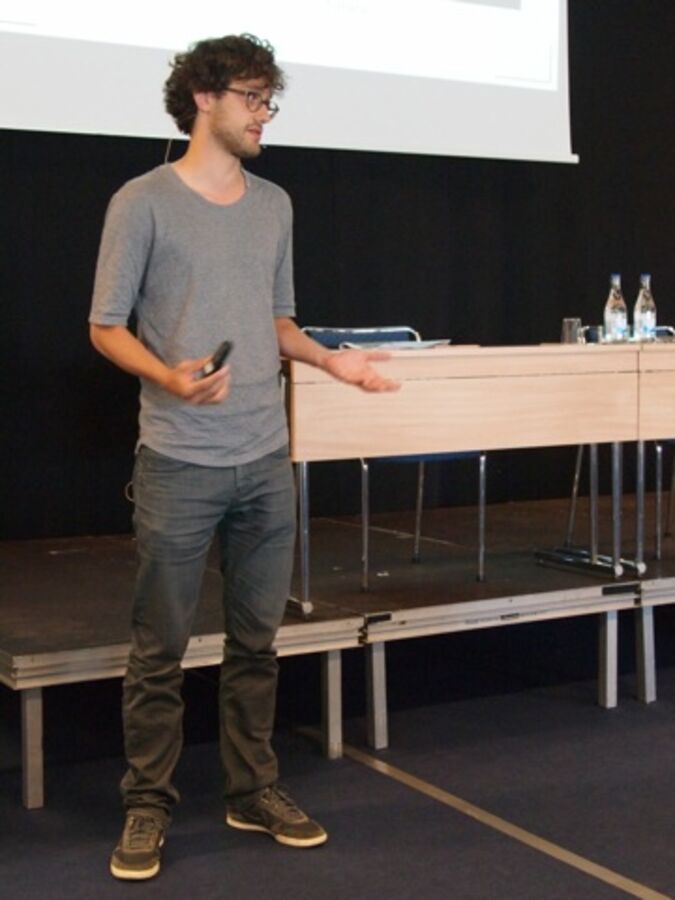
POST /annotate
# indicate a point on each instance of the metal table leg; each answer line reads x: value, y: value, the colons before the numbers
x: 365, y: 523
x: 634, y: 565
x: 32, y: 753
x: 589, y: 559
x: 303, y: 603
x: 571, y: 517
x: 594, y: 492
x: 419, y: 506
x: 482, y: 490
x: 640, y: 504
x: 658, y: 449
x: 617, y: 491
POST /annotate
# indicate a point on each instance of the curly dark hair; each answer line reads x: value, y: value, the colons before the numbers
x: 211, y: 65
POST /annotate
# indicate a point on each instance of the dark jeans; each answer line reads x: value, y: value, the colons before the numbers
x: 178, y: 509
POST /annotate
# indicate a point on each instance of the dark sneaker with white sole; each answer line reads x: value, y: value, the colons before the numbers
x: 274, y: 813
x: 137, y: 855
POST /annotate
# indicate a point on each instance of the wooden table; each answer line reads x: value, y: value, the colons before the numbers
x: 465, y: 398
x: 469, y: 398
x: 462, y: 398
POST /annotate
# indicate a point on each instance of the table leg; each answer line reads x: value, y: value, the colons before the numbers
x: 640, y: 504
x: 572, y: 515
x: 617, y: 490
x: 593, y: 506
x: 303, y: 603
x: 658, y: 450
x: 638, y: 564
x: 365, y: 524
x: 591, y: 559
x: 32, y: 748
x: 482, y: 490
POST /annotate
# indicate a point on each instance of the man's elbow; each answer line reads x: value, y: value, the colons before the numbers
x: 95, y: 336
x: 99, y: 335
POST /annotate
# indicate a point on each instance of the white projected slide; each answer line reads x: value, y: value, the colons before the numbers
x: 483, y: 43
x: 463, y: 77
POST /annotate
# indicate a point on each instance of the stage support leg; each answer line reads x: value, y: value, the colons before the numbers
x: 32, y: 749
x: 331, y: 706
x: 645, y: 656
x: 376, y: 696
x: 609, y: 660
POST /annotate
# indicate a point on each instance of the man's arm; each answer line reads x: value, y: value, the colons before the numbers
x: 124, y: 349
x: 351, y: 366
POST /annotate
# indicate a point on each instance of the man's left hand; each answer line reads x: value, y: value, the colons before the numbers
x: 353, y: 367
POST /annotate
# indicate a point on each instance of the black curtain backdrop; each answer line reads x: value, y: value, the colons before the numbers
x: 487, y: 252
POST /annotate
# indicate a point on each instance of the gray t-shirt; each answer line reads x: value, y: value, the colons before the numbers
x: 196, y: 273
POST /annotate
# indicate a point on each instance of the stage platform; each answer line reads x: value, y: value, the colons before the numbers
x: 66, y: 606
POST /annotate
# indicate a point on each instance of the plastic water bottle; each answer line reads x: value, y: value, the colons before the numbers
x: 616, y: 313
x: 644, y: 314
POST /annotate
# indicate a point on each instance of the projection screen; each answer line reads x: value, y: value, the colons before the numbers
x: 475, y: 78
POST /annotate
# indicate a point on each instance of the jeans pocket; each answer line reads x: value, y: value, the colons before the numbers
x: 151, y: 466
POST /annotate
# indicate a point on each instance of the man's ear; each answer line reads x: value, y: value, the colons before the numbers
x: 203, y: 100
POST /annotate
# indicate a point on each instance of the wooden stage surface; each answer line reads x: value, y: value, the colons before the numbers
x: 73, y: 595
x: 66, y: 605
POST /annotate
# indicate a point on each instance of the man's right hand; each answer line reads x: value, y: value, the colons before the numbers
x: 124, y: 349
x: 182, y: 383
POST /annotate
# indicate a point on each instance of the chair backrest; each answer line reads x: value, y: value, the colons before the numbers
x: 334, y: 338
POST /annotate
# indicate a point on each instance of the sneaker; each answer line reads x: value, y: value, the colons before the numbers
x: 137, y: 855
x: 277, y: 815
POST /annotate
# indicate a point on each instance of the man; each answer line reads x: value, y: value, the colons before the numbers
x: 200, y: 252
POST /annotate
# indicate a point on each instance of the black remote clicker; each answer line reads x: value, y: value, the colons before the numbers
x: 216, y: 362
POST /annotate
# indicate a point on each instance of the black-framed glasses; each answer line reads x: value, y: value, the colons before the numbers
x: 254, y: 100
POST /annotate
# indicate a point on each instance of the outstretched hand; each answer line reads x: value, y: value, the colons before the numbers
x: 353, y: 367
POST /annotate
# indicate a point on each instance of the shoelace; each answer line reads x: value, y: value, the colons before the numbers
x: 142, y: 832
x: 277, y: 797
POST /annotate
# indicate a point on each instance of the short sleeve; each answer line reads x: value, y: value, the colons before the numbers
x: 126, y: 243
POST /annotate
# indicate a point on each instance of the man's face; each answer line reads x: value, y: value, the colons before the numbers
x: 231, y: 122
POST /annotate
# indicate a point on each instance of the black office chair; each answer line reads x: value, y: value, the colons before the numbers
x: 389, y: 337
